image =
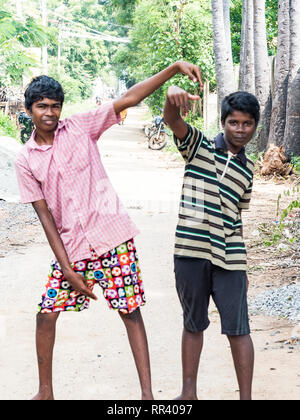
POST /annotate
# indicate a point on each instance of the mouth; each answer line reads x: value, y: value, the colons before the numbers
x: 49, y: 122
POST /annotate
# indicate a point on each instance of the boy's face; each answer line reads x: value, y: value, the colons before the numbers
x: 239, y: 128
x: 45, y: 114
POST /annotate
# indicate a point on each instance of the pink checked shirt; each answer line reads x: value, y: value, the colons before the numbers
x: 70, y: 176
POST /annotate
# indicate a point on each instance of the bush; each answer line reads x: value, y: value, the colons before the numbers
x: 295, y: 161
x: 7, y: 126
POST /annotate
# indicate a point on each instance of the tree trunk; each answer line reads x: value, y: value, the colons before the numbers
x: 278, y: 118
x: 227, y: 28
x: 249, y: 49
x: 261, y: 57
x: 242, y: 71
x: 291, y: 143
x: 223, y: 62
x: 262, y: 72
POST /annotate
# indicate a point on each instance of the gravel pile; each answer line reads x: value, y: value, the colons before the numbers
x: 14, y: 218
x: 283, y: 302
x: 9, y: 190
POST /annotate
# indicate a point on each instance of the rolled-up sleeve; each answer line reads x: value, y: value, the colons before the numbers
x: 29, y: 187
x: 191, y: 144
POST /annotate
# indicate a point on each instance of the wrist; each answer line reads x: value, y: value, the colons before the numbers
x: 67, y: 270
x: 175, y: 68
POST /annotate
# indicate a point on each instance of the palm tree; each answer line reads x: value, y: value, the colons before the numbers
x: 223, y: 57
x: 261, y: 58
x: 262, y: 71
x: 278, y: 118
x: 291, y: 142
x: 249, y: 48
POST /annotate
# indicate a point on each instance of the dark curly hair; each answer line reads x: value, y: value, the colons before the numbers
x: 43, y: 87
x: 240, y: 101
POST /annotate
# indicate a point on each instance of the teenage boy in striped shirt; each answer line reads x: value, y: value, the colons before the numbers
x: 60, y: 172
x: 210, y: 255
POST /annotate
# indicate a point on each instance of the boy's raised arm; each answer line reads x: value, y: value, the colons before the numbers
x: 177, y: 103
x: 143, y: 89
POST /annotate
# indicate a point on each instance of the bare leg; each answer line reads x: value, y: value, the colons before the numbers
x: 243, y: 357
x: 45, y: 338
x: 138, y: 342
x: 192, y: 344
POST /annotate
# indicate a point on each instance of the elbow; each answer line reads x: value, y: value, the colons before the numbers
x: 130, y: 100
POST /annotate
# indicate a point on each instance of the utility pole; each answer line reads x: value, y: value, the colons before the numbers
x: 44, y: 48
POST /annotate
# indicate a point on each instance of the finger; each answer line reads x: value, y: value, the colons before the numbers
x: 185, y: 104
x: 189, y: 72
x: 177, y: 101
x: 199, y: 76
x: 194, y: 97
x: 87, y: 292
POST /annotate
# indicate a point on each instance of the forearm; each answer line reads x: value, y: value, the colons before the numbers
x: 174, y: 119
x: 142, y: 90
x: 52, y: 235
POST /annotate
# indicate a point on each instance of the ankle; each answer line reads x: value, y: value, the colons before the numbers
x: 45, y: 393
x: 147, y: 395
x: 187, y: 396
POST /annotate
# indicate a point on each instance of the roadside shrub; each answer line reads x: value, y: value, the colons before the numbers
x: 7, y: 126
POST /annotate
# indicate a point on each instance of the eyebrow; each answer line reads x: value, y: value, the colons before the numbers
x: 44, y: 103
x: 234, y: 119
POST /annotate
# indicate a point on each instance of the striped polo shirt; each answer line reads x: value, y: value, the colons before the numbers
x: 216, y: 186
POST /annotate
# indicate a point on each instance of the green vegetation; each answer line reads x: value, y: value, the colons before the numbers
x: 284, y: 231
x: 7, y: 127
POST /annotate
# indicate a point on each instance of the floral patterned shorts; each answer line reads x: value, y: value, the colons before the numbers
x: 117, y: 272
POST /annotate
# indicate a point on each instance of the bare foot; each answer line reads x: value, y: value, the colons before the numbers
x: 44, y: 395
x: 147, y: 396
x: 183, y: 397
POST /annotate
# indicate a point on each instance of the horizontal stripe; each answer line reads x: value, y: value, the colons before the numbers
x: 199, y: 249
x: 201, y: 235
x: 203, y: 206
x: 234, y: 163
x: 209, y: 219
x: 190, y: 171
x: 201, y: 221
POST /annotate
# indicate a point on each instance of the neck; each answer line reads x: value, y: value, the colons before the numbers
x: 44, y: 137
x: 233, y: 149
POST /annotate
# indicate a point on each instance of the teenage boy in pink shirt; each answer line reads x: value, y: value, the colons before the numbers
x: 60, y: 172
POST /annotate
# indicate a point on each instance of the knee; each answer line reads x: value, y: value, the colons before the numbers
x: 133, y: 317
x: 46, y: 321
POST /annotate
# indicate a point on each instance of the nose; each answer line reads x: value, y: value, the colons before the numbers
x: 49, y: 111
x: 240, y: 128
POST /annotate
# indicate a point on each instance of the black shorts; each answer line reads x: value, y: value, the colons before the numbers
x: 198, y: 279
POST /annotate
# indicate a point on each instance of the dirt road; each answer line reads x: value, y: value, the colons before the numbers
x: 92, y: 357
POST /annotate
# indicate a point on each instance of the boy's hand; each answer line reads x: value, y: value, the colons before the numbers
x: 180, y: 98
x: 79, y: 284
x: 193, y: 72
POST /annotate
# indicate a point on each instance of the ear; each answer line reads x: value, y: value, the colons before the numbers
x: 28, y: 112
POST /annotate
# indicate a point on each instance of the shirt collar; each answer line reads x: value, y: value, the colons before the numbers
x: 32, y: 144
x: 221, y: 144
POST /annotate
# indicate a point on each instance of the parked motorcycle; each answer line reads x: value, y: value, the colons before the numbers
x: 156, y: 133
x: 27, y: 126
